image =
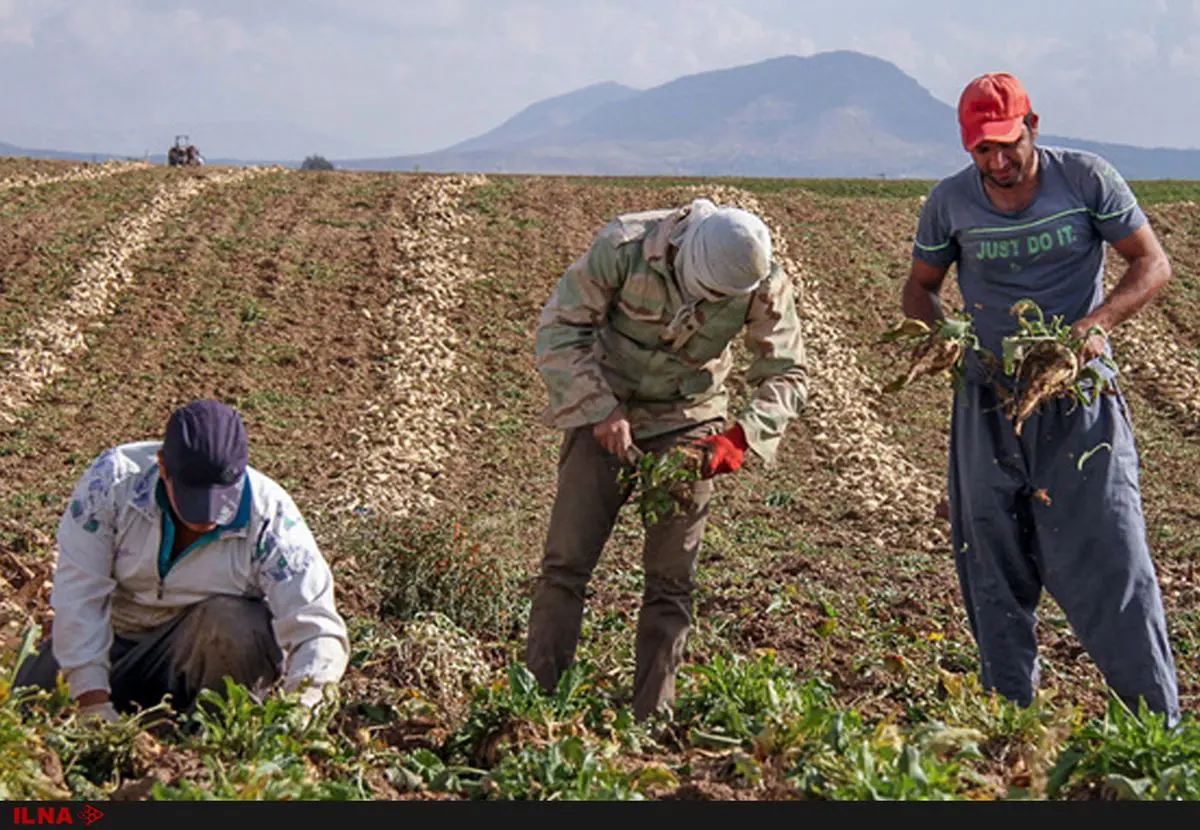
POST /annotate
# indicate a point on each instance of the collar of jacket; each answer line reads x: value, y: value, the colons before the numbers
x: 655, y: 245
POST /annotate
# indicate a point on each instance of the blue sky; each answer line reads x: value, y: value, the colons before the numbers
x: 271, y: 78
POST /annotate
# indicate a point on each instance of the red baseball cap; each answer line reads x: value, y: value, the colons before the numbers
x: 992, y: 108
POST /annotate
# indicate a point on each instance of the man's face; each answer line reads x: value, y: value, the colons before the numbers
x: 1006, y: 164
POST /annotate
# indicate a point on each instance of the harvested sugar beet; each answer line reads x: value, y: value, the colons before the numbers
x: 1043, y: 358
x: 938, y: 348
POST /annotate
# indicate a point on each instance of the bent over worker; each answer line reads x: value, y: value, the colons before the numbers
x: 634, y: 347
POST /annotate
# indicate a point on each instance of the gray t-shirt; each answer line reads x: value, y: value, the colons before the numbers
x: 1051, y: 252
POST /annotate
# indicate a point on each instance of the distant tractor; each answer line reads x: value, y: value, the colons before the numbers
x: 184, y: 154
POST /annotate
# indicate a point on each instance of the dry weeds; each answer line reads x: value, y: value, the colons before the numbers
x: 1149, y: 353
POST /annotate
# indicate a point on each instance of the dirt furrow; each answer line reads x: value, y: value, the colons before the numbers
x: 1150, y: 352
x: 45, y: 351
x: 408, y: 434
x: 79, y: 174
x: 1163, y: 371
x: 873, y: 473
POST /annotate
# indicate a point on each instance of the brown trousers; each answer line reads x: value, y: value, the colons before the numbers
x: 585, y: 509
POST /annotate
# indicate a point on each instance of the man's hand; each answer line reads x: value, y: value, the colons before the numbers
x: 1093, y: 344
x: 96, y: 706
x: 726, y: 451
x: 614, y: 433
x: 312, y: 696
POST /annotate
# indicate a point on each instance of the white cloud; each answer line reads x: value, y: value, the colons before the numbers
x: 20, y: 34
x: 16, y: 25
x: 1102, y: 85
x: 1132, y: 48
x: 1186, y: 56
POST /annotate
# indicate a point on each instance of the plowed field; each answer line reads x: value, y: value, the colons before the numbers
x: 376, y: 333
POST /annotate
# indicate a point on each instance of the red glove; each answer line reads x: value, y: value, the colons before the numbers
x: 726, y: 451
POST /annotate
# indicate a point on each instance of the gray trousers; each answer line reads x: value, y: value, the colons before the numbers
x: 585, y: 508
x: 1024, y: 516
x: 221, y: 636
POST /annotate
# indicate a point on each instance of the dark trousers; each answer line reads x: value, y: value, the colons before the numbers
x: 1055, y: 508
x: 194, y: 651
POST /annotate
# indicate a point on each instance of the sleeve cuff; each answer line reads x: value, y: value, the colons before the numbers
x: 321, y: 660
x: 936, y: 258
x: 761, y: 442
x: 87, y: 679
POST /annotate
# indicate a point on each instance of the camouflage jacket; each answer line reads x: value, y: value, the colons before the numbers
x: 600, y: 342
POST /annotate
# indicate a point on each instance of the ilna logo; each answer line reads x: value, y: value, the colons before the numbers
x: 56, y: 815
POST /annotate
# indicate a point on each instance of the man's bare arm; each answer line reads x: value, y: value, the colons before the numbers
x: 1148, y: 270
x: 922, y: 292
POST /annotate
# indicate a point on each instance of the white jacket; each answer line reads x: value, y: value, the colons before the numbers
x: 107, y: 575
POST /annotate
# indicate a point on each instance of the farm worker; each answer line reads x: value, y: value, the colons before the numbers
x: 179, y: 564
x: 634, y: 346
x: 1059, y: 506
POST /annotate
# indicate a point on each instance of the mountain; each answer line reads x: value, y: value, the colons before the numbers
x: 547, y: 115
x: 834, y: 114
x: 14, y: 150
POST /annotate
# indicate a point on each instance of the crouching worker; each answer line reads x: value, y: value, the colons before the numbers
x: 179, y: 564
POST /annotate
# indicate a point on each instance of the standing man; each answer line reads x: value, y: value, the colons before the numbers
x: 634, y: 348
x: 1025, y: 221
x: 179, y: 564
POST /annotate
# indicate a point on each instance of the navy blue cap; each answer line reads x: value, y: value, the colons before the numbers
x: 205, y: 453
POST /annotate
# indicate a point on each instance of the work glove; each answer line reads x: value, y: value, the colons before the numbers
x: 312, y: 696
x: 103, y: 711
x: 725, y: 451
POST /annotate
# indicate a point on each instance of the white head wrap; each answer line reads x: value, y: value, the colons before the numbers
x: 722, y: 252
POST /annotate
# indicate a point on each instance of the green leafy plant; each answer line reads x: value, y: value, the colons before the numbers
x: 424, y: 768
x: 565, y: 770
x: 97, y: 757
x: 662, y: 483
x: 879, y: 766
x: 517, y: 704
x: 24, y: 756
x: 239, y: 725
x: 257, y: 781
x: 730, y: 700
x: 1131, y: 757
x: 272, y: 749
